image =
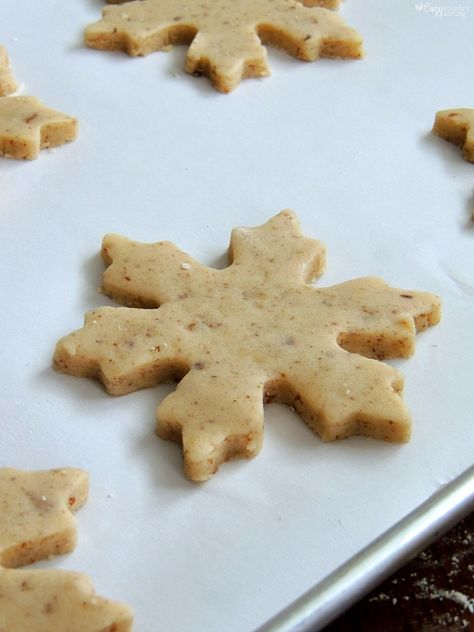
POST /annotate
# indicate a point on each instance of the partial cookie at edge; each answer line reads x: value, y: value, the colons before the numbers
x: 26, y: 126
x: 457, y: 126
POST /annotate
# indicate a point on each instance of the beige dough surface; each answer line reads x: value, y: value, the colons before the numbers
x: 56, y: 601
x: 35, y: 523
x: 254, y: 332
x: 226, y: 37
x: 8, y: 85
x: 35, y: 513
x: 26, y: 126
x: 457, y: 126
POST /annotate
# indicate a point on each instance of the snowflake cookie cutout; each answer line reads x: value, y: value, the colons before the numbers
x: 226, y: 38
x: 36, y: 523
x: 254, y: 332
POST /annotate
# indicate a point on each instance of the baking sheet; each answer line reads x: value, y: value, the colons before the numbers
x: 161, y: 155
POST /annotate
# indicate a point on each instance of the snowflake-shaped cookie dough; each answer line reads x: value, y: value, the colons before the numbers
x: 35, y: 523
x: 226, y: 37
x: 26, y: 126
x: 253, y: 332
x: 457, y: 126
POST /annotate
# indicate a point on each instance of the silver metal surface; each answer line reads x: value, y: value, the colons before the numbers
x: 354, y: 579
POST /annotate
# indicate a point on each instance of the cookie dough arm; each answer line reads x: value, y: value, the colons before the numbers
x: 126, y: 349
x: 310, y: 33
x: 227, y: 57
x: 278, y: 251
x: 8, y: 85
x: 351, y: 395
x: 147, y: 275
x: 379, y: 321
x: 217, y: 414
x: 141, y: 28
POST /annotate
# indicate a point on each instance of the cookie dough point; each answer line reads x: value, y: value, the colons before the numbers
x: 26, y: 126
x: 457, y: 126
x: 251, y: 333
x: 8, y: 85
x: 226, y: 38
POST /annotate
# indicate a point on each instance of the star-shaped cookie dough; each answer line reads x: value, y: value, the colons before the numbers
x: 8, y: 84
x: 253, y: 332
x: 226, y: 37
x: 457, y: 126
x: 26, y: 126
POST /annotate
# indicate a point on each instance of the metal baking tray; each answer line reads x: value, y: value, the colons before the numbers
x: 363, y: 572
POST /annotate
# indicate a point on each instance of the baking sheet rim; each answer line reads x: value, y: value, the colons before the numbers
x: 368, y: 568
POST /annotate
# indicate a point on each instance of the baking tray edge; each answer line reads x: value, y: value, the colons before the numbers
x: 368, y: 568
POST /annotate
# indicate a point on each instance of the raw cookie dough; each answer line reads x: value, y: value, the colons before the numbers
x: 35, y: 523
x: 253, y: 332
x: 35, y: 513
x: 26, y: 126
x: 226, y: 37
x: 457, y: 126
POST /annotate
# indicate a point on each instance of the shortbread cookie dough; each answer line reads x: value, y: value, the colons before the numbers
x: 457, y: 126
x: 26, y: 126
x: 36, y: 522
x: 35, y: 513
x: 253, y: 332
x: 8, y: 85
x: 226, y: 37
